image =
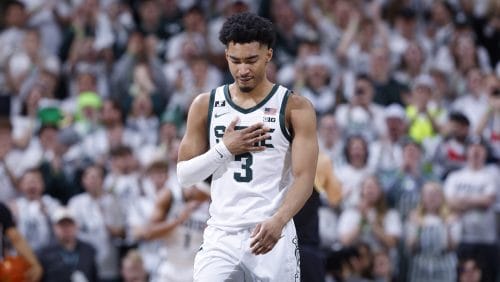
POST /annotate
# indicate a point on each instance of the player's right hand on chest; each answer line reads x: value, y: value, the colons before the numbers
x: 240, y: 140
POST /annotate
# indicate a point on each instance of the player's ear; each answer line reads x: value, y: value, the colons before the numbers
x: 269, y: 55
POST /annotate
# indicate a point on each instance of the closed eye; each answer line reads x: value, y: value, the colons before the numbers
x: 247, y: 60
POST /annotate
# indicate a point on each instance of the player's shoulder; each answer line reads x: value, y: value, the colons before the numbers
x: 200, y: 103
x: 201, y: 100
x: 297, y: 101
x: 299, y: 112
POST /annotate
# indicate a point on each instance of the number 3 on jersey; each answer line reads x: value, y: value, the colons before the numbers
x: 246, y: 160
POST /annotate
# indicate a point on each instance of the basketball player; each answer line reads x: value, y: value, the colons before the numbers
x: 179, y: 218
x: 258, y: 142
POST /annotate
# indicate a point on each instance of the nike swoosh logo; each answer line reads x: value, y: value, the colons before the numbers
x: 219, y: 115
x: 221, y: 155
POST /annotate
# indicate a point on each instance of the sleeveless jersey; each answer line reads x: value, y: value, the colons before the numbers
x: 185, y: 240
x: 250, y: 187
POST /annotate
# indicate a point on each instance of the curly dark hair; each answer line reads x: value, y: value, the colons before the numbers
x: 246, y: 28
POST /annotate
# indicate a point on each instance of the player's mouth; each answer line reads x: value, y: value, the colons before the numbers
x: 244, y: 79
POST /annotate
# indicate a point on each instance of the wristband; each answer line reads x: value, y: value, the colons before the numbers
x: 201, y: 167
x: 223, y: 152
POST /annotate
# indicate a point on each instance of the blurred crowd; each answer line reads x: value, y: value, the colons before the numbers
x: 407, y: 96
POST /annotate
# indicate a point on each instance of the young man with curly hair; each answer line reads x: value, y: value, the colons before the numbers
x: 257, y: 140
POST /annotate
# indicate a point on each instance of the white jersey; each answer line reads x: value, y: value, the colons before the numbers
x: 184, y: 241
x: 250, y: 188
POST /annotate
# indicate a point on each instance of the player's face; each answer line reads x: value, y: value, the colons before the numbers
x: 247, y: 63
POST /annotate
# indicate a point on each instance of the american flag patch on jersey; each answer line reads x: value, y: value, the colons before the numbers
x: 270, y: 111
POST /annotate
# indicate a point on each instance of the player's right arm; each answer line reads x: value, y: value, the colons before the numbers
x: 196, y: 162
x: 195, y: 141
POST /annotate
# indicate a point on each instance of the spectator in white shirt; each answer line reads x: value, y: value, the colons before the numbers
x: 33, y: 210
x: 361, y: 115
x: 386, y: 153
x: 471, y: 192
x: 330, y: 139
x: 474, y: 104
x: 15, y: 17
x: 352, y: 173
x: 123, y: 178
x: 370, y: 221
x: 100, y: 221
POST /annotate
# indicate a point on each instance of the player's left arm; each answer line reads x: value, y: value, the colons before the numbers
x: 301, y: 119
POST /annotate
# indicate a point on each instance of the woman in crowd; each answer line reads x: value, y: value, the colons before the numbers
x: 432, y: 235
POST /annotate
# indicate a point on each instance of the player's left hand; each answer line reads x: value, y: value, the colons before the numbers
x: 265, y: 236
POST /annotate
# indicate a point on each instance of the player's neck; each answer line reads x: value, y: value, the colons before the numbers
x: 256, y: 95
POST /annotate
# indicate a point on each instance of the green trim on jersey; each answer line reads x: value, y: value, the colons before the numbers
x: 284, y: 130
x: 249, y: 110
x: 210, y: 110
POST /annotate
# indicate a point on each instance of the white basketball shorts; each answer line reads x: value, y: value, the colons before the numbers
x: 226, y: 256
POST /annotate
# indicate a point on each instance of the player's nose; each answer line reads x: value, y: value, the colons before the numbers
x: 243, y: 70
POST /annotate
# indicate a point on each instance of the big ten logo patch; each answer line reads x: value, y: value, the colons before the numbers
x: 270, y: 114
x: 220, y: 129
x: 269, y: 119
